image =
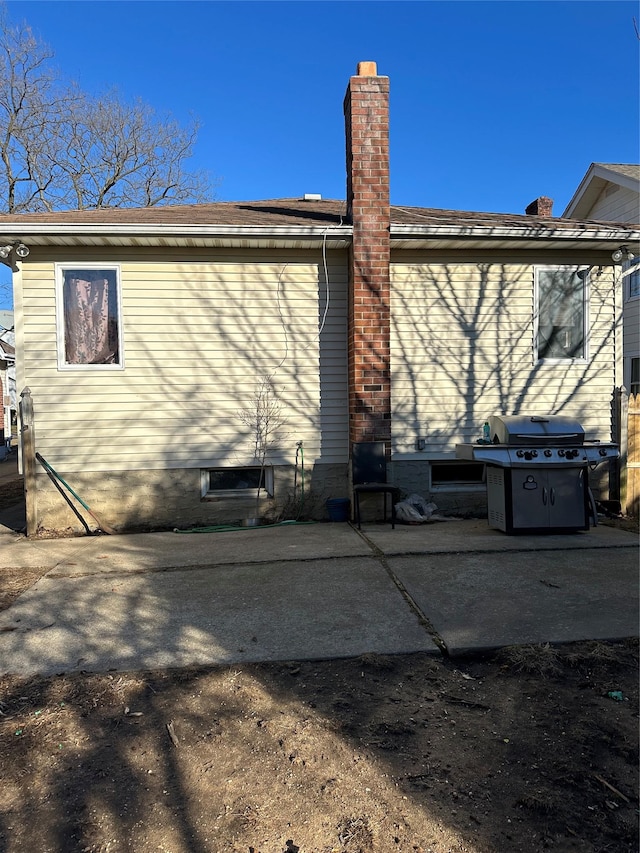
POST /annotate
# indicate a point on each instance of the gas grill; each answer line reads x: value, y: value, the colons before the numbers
x: 538, y: 472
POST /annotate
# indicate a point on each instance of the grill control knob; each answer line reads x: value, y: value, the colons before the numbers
x: 561, y: 452
x: 602, y: 451
x: 519, y: 453
x: 534, y: 453
x: 548, y: 453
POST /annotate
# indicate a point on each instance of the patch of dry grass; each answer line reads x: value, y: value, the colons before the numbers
x: 538, y: 660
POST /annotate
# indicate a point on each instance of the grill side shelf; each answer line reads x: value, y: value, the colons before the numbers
x: 491, y: 453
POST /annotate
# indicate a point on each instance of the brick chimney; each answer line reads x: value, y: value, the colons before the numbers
x: 542, y: 206
x: 366, y: 110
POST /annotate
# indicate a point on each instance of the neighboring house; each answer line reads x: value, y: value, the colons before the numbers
x: 8, y: 373
x: 611, y: 192
x: 372, y: 322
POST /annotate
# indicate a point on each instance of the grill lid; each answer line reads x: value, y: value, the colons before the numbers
x: 535, y: 430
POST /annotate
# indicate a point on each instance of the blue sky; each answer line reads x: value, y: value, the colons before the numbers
x: 492, y: 103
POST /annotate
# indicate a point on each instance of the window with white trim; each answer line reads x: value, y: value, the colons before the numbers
x: 561, y: 313
x: 450, y: 475
x: 632, y: 269
x: 237, y: 482
x: 634, y: 379
x: 89, y: 316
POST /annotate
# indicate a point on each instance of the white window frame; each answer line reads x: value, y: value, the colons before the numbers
x: 208, y: 494
x: 632, y: 358
x: 583, y: 359
x: 631, y: 274
x: 60, y: 269
x: 446, y: 487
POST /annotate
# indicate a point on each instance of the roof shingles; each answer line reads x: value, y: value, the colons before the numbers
x: 284, y: 212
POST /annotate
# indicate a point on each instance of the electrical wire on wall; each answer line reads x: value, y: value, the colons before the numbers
x: 299, y: 459
x: 282, y: 320
x: 326, y: 281
x: 323, y: 321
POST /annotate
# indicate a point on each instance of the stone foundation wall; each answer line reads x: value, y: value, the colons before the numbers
x: 156, y: 500
x: 413, y: 478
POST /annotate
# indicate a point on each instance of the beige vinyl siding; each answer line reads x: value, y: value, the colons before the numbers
x: 462, y: 349
x: 632, y: 325
x: 616, y: 204
x: 199, y: 332
x: 631, y: 331
x: 620, y: 204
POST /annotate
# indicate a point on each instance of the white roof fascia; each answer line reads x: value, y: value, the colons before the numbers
x: 472, y: 231
x: 615, y: 177
x: 600, y: 232
x: 598, y: 171
x: 171, y: 230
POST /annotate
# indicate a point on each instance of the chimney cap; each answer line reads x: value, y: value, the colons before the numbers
x: 367, y: 69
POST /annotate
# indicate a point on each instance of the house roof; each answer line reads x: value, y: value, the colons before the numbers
x: 300, y: 223
x: 598, y: 175
x: 627, y: 170
x: 6, y: 350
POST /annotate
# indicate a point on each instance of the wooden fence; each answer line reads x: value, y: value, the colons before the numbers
x: 631, y: 500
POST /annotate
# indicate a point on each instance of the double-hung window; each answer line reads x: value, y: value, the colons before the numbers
x: 89, y: 317
x: 634, y: 378
x: 632, y: 275
x: 561, y: 313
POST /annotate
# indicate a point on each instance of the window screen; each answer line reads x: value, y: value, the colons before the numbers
x: 561, y: 313
x: 90, y: 322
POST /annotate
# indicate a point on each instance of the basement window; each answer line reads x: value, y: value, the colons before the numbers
x: 446, y: 475
x: 237, y: 482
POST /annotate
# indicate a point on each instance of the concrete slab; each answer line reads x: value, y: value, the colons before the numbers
x: 158, y: 551
x: 444, y: 537
x: 216, y: 615
x: 310, y: 591
x: 480, y: 601
x: 13, y: 520
x: 16, y: 551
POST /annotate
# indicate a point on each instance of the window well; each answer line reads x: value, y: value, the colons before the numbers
x: 237, y: 482
x: 457, y: 474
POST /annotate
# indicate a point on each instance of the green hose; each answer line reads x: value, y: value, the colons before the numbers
x: 223, y: 528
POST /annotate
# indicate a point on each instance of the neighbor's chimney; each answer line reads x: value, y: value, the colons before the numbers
x: 540, y: 207
x: 366, y: 110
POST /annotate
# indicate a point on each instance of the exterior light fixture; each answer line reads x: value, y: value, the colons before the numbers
x: 18, y: 248
x: 621, y: 253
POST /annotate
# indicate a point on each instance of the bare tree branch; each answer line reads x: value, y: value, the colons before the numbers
x: 63, y: 148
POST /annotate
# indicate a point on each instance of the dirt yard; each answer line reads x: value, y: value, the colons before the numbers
x: 531, y: 749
